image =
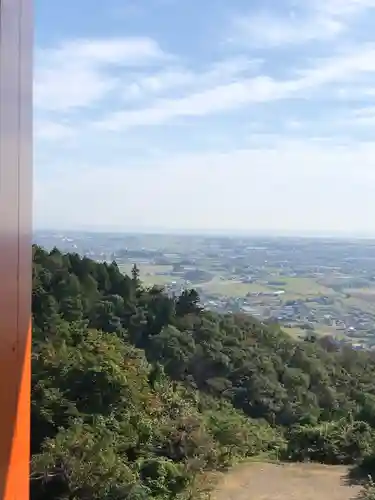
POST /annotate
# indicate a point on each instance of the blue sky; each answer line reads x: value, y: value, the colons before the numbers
x: 218, y: 115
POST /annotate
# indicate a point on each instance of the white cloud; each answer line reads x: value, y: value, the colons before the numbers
x: 75, y: 74
x: 264, y: 29
x: 342, y: 67
x: 156, y: 83
x: 361, y: 117
x: 172, y: 78
x: 219, y: 87
x: 304, y: 21
x: 352, y: 92
x: 52, y: 131
x: 364, y: 112
x: 80, y: 73
x: 344, y: 7
x: 254, y: 189
x: 218, y: 99
x: 337, y: 69
x: 120, y: 52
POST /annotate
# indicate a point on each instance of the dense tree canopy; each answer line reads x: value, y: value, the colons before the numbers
x: 136, y: 394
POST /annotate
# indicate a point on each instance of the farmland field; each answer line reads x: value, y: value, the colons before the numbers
x: 317, y: 289
x: 305, y: 287
x: 151, y: 274
x: 232, y: 288
x: 294, y: 288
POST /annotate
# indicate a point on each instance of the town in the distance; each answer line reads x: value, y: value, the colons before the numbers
x: 310, y: 286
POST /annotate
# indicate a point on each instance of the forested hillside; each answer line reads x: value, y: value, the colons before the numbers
x: 136, y: 395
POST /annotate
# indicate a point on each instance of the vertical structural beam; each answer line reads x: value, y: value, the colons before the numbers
x: 16, y: 45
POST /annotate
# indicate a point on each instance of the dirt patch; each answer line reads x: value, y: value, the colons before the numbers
x: 266, y: 481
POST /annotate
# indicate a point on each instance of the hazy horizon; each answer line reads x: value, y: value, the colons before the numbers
x: 208, y: 232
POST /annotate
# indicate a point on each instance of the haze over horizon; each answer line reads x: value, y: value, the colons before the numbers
x: 176, y: 115
x: 225, y: 233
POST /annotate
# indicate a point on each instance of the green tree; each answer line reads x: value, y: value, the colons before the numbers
x: 135, y: 394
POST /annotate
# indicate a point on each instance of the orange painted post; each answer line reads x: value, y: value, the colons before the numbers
x: 16, y: 45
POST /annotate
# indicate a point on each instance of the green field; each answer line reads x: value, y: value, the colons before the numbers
x: 321, y: 331
x: 304, y: 287
x: 232, y: 288
x: 294, y: 288
x: 329, y: 330
x: 362, y: 293
x: 150, y: 274
x: 360, y: 299
x: 295, y: 332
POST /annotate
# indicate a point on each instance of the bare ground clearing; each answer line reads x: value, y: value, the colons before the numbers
x: 269, y: 481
